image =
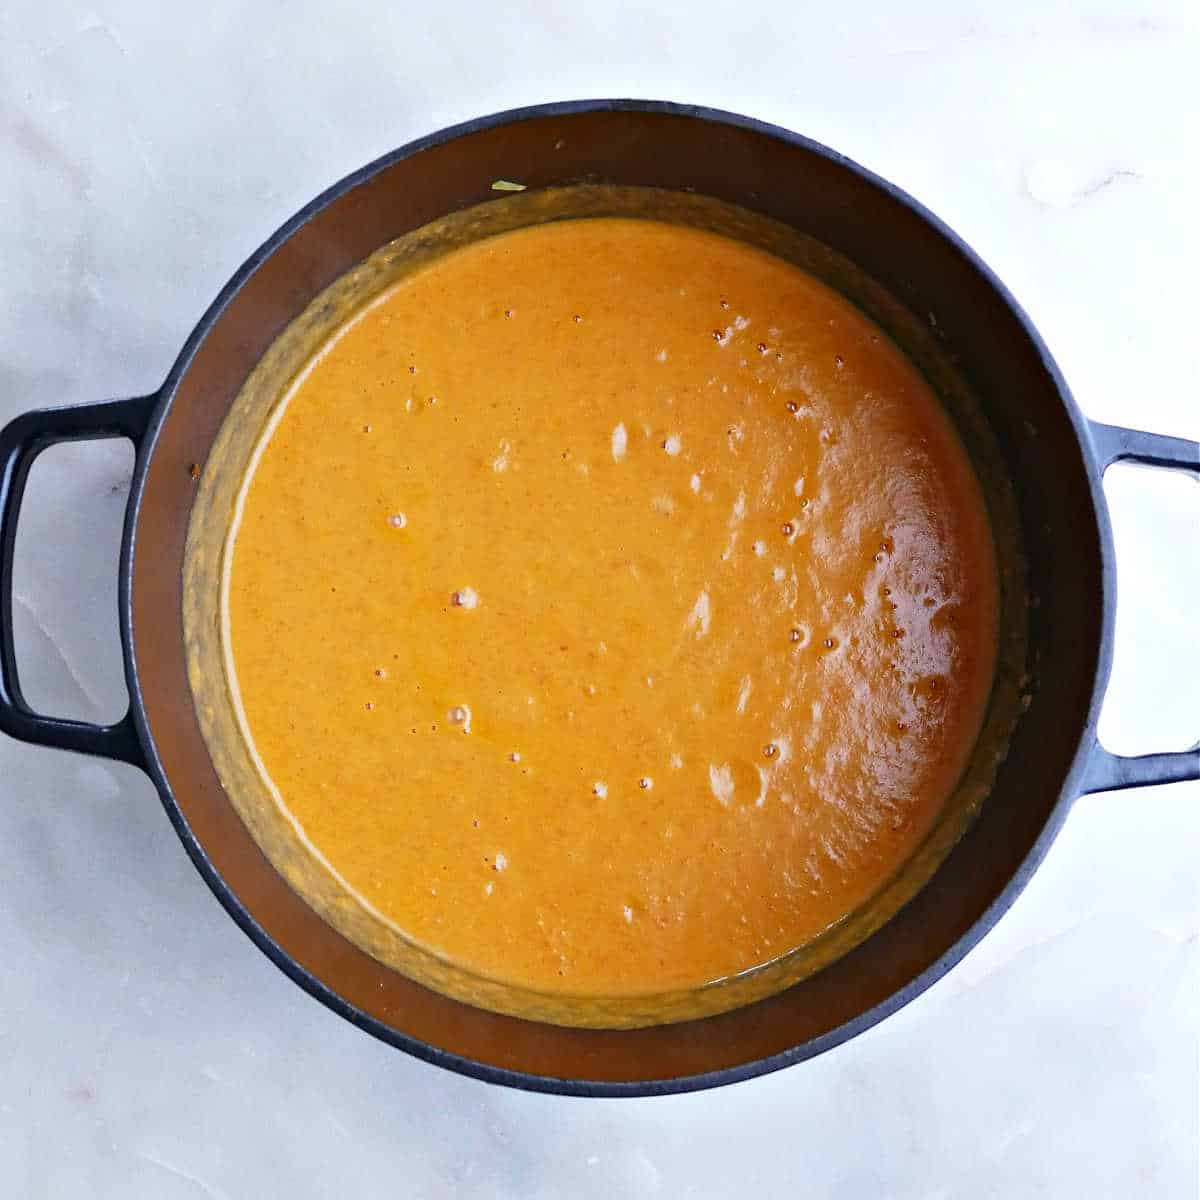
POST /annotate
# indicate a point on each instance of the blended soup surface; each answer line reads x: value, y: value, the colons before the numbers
x: 612, y: 606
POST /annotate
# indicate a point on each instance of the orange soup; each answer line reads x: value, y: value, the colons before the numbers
x: 612, y: 607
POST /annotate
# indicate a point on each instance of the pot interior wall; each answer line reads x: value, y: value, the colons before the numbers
x: 817, y: 195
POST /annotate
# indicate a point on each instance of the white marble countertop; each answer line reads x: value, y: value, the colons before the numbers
x: 147, y: 1049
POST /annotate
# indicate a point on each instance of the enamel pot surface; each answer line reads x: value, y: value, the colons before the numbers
x: 1053, y: 456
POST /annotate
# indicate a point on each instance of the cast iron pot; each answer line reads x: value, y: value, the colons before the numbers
x: 1054, y: 456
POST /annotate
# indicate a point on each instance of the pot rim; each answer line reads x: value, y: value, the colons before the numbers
x: 1072, y: 783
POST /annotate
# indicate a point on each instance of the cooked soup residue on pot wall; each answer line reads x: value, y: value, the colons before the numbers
x: 611, y: 606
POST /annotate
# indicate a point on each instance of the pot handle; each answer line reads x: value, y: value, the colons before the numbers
x: 21, y: 441
x: 1107, y: 771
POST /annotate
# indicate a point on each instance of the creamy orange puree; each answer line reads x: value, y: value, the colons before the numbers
x: 612, y: 606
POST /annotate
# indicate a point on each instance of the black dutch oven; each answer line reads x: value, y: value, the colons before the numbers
x: 1054, y: 457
